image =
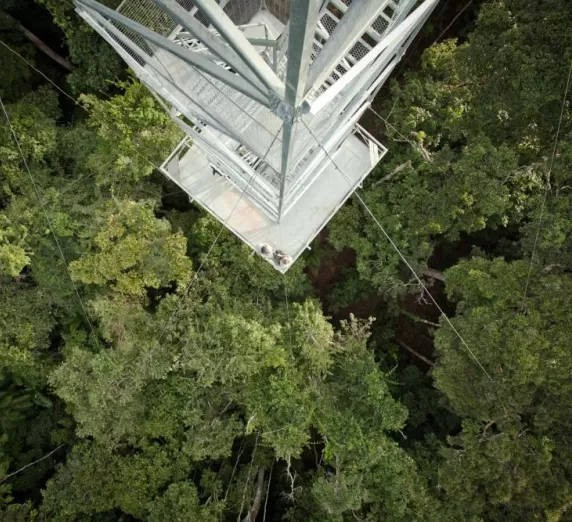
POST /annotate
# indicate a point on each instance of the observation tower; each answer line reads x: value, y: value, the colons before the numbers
x: 269, y: 94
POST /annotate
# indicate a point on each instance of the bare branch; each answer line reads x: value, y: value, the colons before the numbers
x: 248, y: 477
x: 417, y: 354
x: 488, y: 425
x: 4, y: 479
x: 39, y: 44
x: 435, y: 274
x: 290, y: 496
x: 253, y: 513
x: 268, y: 492
x: 418, y: 319
x: 397, y: 170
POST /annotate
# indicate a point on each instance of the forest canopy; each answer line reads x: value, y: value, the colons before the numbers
x: 152, y: 369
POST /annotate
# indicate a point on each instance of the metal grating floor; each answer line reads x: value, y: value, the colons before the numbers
x: 192, y: 172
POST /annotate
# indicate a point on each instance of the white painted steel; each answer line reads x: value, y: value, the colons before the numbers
x: 216, y: 45
x: 296, y: 230
x: 236, y: 39
x: 303, y: 18
x: 349, y: 30
x: 389, y: 46
x: 236, y: 78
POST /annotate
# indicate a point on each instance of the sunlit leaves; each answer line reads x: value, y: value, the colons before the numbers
x: 132, y: 251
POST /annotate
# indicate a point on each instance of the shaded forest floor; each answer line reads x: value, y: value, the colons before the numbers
x: 410, y: 332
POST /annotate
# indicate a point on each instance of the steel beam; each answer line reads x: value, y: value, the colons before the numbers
x: 319, y: 157
x: 262, y: 42
x: 194, y: 59
x: 387, y: 47
x: 101, y: 25
x: 287, y: 145
x: 200, y: 32
x: 301, y: 29
x: 238, y: 41
x: 404, y: 7
x: 359, y: 16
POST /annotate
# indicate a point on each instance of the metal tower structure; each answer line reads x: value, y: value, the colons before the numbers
x: 269, y: 94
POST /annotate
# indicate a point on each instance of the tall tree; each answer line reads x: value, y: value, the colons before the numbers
x: 97, y: 65
x: 511, y: 461
x: 470, y: 144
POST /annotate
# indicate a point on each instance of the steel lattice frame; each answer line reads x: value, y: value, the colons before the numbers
x: 245, y: 73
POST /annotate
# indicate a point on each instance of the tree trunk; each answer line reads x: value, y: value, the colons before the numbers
x: 435, y: 274
x: 39, y: 44
x: 417, y: 354
x: 418, y: 319
x: 253, y: 513
x: 393, y: 173
x: 45, y: 49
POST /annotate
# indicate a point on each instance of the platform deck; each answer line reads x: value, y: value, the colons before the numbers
x: 193, y: 173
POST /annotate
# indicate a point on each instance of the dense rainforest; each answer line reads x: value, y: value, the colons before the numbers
x: 150, y: 373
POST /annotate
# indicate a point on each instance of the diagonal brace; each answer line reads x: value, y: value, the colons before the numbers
x: 355, y: 22
x: 194, y: 59
x: 238, y: 41
x: 200, y: 32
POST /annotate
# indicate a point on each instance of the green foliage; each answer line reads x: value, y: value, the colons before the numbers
x: 504, y: 475
x: 554, y: 244
x: 519, y: 99
x: 133, y: 251
x: 218, y: 374
x: 34, y: 121
x: 13, y: 256
x: 176, y: 396
x: 97, y: 65
x: 349, y: 290
x: 179, y: 503
x: 469, y: 142
x: 429, y: 412
x: 95, y: 481
x: 233, y: 270
x: 518, y: 340
x: 26, y: 322
x: 510, y: 458
x: 134, y: 134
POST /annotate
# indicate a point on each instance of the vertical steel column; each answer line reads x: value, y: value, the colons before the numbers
x: 301, y: 30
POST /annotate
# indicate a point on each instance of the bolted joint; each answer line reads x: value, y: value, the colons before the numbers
x: 287, y: 112
x: 284, y: 111
x: 305, y: 108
